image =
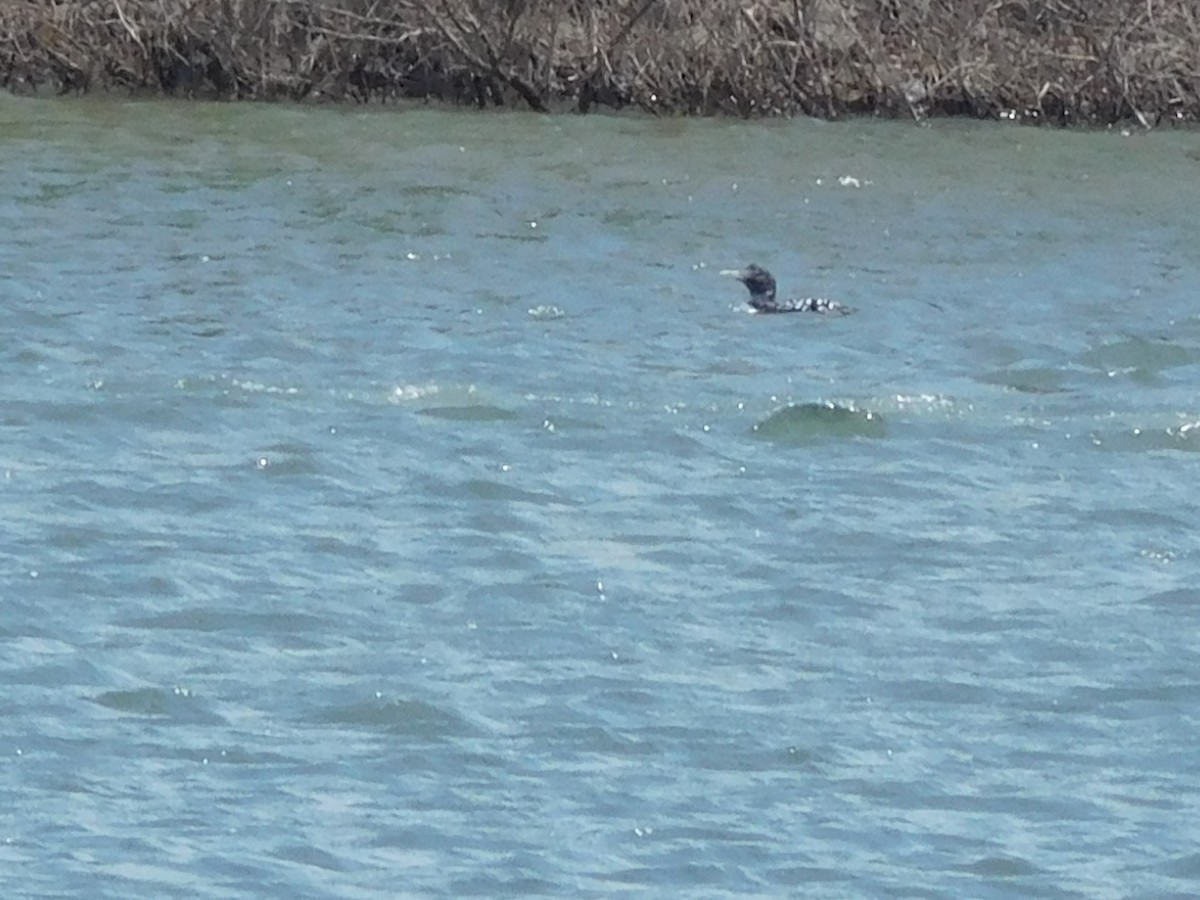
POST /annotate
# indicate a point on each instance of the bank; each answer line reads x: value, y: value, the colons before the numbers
x: 1053, y: 61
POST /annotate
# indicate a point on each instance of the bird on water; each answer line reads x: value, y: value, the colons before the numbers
x: 761, y: 285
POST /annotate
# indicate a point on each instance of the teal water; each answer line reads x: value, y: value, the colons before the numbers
x: 397, y: 503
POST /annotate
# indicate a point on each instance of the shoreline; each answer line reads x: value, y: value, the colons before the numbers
x: 1061, y: 62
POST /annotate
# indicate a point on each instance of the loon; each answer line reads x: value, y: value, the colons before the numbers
x: 761, y: 285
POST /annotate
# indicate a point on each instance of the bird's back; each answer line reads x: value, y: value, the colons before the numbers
x: 820, y: 305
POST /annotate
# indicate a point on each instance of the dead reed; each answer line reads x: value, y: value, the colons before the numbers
x: 1061, y: 61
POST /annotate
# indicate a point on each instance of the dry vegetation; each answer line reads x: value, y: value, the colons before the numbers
x: 1053, y: 60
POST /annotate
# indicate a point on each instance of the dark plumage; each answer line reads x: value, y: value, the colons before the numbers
x: 761, y: 285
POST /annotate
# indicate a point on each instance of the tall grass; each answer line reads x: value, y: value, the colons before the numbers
x: 1060, y: 61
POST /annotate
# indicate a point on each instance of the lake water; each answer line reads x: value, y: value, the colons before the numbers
x: 399, y: 504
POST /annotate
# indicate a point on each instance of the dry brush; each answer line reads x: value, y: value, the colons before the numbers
x: 1061, y: 61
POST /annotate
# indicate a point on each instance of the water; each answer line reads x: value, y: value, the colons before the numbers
x: 397, y: 503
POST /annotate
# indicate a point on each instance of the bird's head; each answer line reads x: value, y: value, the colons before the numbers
x: 757, y: 280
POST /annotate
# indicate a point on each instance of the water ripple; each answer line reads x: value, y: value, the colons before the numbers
x: 805, y: 423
